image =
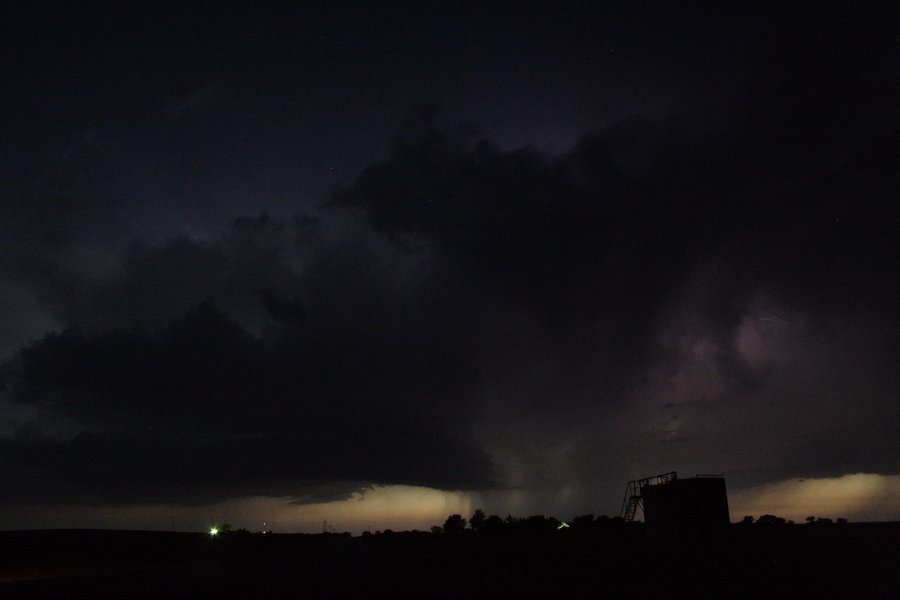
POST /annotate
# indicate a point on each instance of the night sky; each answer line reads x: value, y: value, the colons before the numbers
x: 377, y: 264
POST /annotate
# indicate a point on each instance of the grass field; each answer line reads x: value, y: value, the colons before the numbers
x: 856, y: 560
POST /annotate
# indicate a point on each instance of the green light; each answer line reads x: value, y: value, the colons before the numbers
x: 563, y: 525
x: 213, y: 531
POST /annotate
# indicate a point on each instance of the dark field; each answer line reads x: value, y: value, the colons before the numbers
x: 795, y: 561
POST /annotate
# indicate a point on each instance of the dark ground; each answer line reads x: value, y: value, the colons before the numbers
x: 856, y: 560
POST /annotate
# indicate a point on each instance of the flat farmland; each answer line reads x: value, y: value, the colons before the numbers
x: 846, y: 561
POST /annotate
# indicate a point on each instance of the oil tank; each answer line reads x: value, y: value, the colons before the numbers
x: 698, y: 505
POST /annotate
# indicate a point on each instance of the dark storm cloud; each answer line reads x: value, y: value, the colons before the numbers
x: 349, y: 376
x: 371, y: 353
x: 642, y: 259
x: 710, y: 289
x: 202, y: 410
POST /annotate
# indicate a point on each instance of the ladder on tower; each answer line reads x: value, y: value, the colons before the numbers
x: 634, y: 493
x: 631, y: 502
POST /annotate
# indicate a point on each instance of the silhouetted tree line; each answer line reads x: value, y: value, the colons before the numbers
x: 480, y: 523
x: 773, y: 521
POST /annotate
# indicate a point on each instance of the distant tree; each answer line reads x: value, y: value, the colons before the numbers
x: 748, y: 520
x: 477, y: 520
x: 435, y: 529
x: 841, y: 521
x: 493, y: 524
x: 810, y: 520
x: 539, y: 523
x: 770, y: 520
x: 454, y: 524
x: 583, y: 521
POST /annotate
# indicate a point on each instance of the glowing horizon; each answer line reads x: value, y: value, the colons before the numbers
x: 858, y: 497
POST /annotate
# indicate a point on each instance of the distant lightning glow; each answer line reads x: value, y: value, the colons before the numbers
x: 857, y: 496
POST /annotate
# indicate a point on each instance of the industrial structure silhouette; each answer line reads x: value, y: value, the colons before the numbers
x: 674, y: 506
